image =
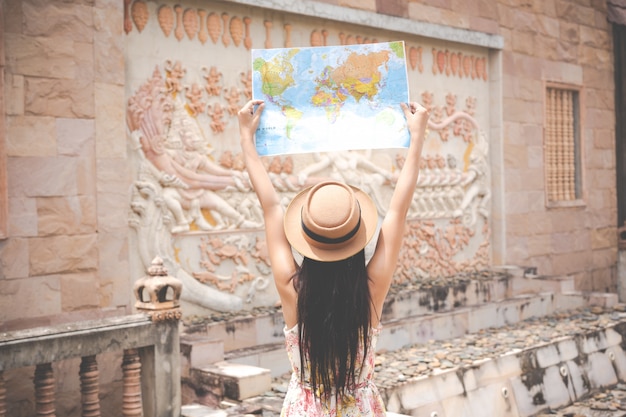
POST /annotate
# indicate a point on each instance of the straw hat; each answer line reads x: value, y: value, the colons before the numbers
x: 330, y: 221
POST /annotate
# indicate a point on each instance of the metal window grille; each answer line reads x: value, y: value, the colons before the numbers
x: 562, y: 145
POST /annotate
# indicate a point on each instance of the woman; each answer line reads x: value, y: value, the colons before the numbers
x: 332, y: 302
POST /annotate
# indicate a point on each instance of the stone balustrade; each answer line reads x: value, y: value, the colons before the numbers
x: 149, y: 342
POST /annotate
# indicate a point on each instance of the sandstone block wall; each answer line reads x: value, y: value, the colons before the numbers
x: 66, y: 251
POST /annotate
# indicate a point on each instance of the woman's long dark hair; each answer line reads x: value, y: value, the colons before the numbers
x: 333, y: 320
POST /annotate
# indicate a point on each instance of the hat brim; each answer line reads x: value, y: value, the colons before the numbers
x: 295, y: 234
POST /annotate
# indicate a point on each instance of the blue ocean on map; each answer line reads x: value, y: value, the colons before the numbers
x: 331, y: 98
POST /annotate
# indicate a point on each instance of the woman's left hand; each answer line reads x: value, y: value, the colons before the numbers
x: 249, y: 116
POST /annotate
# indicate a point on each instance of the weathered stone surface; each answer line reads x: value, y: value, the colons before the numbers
x: 23, y: 215
x: 113, y: 254
x: 31, y: 136
x: 13, y: 258
x: 393, y: 7
x: 42, y: 177
x: 76, y: 137
x: 604, y: 238
x: 114, y: 176
x: 15, y: 294
x: 14, y: 93
x: 40, y: 57
x: 66, y: 215
x: 110, y: 133
x: 79, y: 291
x: 58, y: 20
x: 109, y: 42
x: 59, y: 98
x: 57, y: 254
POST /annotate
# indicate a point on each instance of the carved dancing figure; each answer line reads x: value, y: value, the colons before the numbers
x: 478, y: 194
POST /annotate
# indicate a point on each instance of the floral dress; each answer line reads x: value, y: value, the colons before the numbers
x: 300, y: 401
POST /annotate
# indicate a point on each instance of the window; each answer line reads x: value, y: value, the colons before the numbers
x: 562, y: 146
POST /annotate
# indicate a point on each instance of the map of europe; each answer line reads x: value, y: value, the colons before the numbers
x: 331, y: 98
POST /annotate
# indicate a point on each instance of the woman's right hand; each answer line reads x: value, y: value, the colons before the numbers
x: 417, y: 118
x: 249, y: 118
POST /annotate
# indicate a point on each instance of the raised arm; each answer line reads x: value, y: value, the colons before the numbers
x: 281, y: 257
x: 383, y: 263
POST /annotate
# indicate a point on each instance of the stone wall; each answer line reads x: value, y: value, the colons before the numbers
x: 68, y: 251
x: 66, y: 256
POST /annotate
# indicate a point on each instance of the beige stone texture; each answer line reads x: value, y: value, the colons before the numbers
x: 40, y: 57
x: 543, y: 264
x: 359, y: 4
x: 565, y: 220
x: 30, y: 136
x: 79, y: 291
x: 574, y: 12
x: 43, y: 177
x: 110, y: 132
x: 23, y: 215
x: 56, y: 19
x: 604, y: 139
x: 569, y: 32
x: 13, y: 258
x: 523, y: 111
x: 515, y: 156
x: 594, y: 56
x: 59, y: 98
x: 108, y: 40
x: 602, y: 159
x: 483, y: 25
x: 600, y: 78
x: 63, y: 254
x: 14, y: 94
x: 538, y: 223
x: 18, y: 300
x: 604, y: 280
x: 66, y: 215
x: 115, y: 283
x: 571, y: 241
x: 13, y: 8
x: 571, y: 262
x: 604, y: 238
x: 516, y: 202
x: 517, y: 224
x: 536, y: 201
x: 540, y: 245
x: 600, y: 99
x: 447, y: 17
x: 76, y: 137
x: 605, y: 258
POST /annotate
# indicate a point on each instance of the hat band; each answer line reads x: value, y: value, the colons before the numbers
x: 329, y: 240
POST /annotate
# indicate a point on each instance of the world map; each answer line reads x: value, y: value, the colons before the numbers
x: 331, y: 98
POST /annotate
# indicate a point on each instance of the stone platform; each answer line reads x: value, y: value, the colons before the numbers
x: 509, y: 345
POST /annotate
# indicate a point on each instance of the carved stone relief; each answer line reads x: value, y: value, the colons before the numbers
x: 192, y: 203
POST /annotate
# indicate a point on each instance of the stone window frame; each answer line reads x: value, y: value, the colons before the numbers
x: 576, y: 150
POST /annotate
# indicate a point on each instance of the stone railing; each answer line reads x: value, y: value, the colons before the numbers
x: 149, y: 342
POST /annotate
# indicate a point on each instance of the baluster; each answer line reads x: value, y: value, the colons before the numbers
x: 44, y: 390
x: 89, y: 386
x: 131, y: 368
x: 3, y: 396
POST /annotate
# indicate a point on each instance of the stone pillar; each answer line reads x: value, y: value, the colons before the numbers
x: 158, y: 294
x: 89, y: 386
x: 3, y: 393
x: 131, y: 370
x: 44, y: 391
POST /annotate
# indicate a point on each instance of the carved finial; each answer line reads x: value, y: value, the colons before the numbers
x: 156, y: 268
x: 158, y: 293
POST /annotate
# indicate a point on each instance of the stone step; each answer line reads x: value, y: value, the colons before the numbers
x: 405, y: 301
x: 397, y: 334
x: 518, y: 370
x: 236, y: 381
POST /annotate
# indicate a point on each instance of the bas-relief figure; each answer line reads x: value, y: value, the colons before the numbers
x: 194, y: 207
